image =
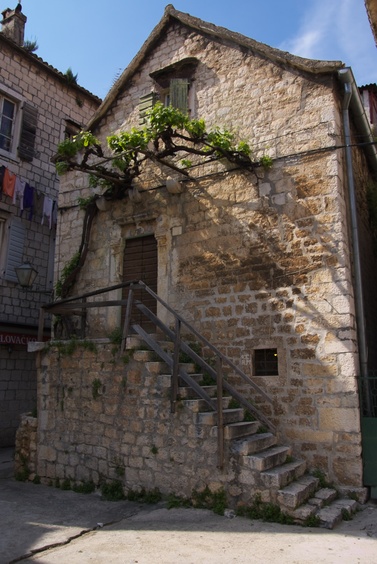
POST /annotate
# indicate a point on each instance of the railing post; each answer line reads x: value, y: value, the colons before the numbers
x: 175, y: 370
x: 127, y: 320
x: 83, y: 321
x: 220, y: 418
x: 41, y: 323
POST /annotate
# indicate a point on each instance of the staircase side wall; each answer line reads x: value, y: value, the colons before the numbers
x: 101, y: 418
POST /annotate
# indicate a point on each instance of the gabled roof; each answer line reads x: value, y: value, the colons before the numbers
x: 171, y: 14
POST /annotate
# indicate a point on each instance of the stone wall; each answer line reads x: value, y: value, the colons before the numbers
x: 252, y: 260
x: 25, y: 456
x: 25, y: 78
x: 102, y: 417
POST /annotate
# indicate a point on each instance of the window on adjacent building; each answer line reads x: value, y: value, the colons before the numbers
x: 266, y: 362
x: 18, y: 126
x: 26, y: 147
x: 71, y: 129
x: 7, y: 117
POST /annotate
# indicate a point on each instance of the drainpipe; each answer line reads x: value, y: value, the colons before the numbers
x: 351, y: 93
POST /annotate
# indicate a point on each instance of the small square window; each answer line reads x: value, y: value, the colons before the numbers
x: 266, y: 362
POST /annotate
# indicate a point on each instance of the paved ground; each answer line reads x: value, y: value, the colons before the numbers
x: 47, y: 525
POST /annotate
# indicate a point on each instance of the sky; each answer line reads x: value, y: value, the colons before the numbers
x: 97, y: 39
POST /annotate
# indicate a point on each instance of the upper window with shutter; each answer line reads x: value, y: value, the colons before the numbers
x: 175, y: 84
x: 18, y: 126
x: 28, y: 132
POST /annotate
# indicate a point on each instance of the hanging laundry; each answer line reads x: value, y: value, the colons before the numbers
x: 2, y: 171
x: 9, y: 182
x: 47, y: 210
x: 18, y: 195
x: 28, y: 201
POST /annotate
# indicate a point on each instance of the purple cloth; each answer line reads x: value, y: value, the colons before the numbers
x: 28, y: 202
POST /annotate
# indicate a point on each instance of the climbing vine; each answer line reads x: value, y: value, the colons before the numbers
x: 169, y: 138
x: 168, y: 135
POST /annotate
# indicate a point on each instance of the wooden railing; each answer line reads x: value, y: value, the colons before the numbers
x: 79, y: 305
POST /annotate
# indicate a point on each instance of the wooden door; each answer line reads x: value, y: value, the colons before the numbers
x: 140, y: 263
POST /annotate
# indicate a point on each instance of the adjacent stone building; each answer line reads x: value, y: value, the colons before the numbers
x: 276, y: 268
x: 38, y: 108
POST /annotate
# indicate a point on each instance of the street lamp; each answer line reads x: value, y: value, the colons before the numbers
x: 26, y: 274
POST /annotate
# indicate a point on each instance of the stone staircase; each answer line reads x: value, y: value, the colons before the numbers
x: 268, y: 467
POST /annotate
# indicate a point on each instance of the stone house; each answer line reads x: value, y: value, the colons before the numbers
x: 38, y: 108
x: 274, y: 267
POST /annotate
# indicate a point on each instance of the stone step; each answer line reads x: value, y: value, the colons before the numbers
x: 350, y: 506
x: 253, y: 444
x: 330, y: 516
x: 240, y: 429
x: 281, y: 476
x: 185, y: 392
x: 229, y: 416
x: 323, y: 497
x: 197, y: 376
x: 297, y: 493
x: 200, y: 405
x: 302, y: 513
x: 268, y: 458
x: 145, y: 356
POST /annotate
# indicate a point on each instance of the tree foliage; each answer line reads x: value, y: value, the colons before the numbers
x: 169, y: 139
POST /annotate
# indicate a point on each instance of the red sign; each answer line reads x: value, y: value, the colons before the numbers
x: 7, y: 338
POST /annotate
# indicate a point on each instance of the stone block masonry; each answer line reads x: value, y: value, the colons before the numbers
x: 105, y: 418
x: 101, y: 417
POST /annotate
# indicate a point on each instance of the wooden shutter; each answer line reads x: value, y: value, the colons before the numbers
x: 179, y: 93
x: 15, y: 249
x: 140, y: 263
x: 146, y: 103
x: 28, y: 132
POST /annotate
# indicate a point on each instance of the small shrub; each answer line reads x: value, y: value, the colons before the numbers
x: 112, y: 491
x: 22, y: 475
x: 233, y: 404
x: 206, y: 499
x: 312, y: 521
x: 346, y: 515
x: 144, y: 496
x: 247, y: 416
x: 154, y: 449
x: 265, y: 511
x: 84, y: 487
x: 66, y: 484
x: 177, y: 501
x: 323, y: 483
x: 36, y: 479
x: 115, y: 336
x: 120, y: 471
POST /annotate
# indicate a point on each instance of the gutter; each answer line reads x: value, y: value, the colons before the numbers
x: 352, y: 101
x: 361, y: 121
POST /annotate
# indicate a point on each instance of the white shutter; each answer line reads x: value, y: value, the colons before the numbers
x: 15, y: 250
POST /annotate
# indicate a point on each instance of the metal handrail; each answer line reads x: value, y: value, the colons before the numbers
x: 66, y: 305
